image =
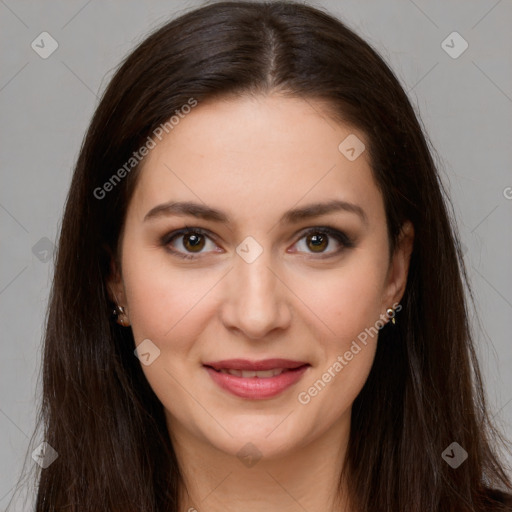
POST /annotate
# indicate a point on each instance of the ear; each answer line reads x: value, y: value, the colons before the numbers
x: 115, y: 285
x: 396, y: 280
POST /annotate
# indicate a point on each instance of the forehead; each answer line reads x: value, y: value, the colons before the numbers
x: 256, y: 156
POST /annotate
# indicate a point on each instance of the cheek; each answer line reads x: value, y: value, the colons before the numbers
x: 345, y: 300
x: 170, y: 307
x: 162, y: 297
x: 347, y: 307
x: 350, y: 310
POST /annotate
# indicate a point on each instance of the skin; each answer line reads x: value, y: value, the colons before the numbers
x: 255, y: 158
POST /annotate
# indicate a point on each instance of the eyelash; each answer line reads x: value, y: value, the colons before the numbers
x: 339, y: 236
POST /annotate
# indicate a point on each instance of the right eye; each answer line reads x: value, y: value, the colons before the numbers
x: 192, y: 239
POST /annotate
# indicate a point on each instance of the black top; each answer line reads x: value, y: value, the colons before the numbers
x: 500, y: 497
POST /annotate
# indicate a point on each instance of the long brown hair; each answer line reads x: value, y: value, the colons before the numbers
x: 424, y: 390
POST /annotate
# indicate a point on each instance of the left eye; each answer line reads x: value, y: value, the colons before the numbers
x: 318, y: 240
x: 194, y: 241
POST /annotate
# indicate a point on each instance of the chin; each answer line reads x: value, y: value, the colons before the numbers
x: 267, y: 436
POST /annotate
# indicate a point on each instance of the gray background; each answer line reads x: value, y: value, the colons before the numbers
x: 46, y: 104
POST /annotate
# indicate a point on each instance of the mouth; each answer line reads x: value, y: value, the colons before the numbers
x: 256, y: 380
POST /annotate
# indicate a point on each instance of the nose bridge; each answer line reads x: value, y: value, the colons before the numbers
x: 255, y: 301
x: 255, y: 283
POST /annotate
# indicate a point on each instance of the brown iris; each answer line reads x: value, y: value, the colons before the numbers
x: 318, y: 240
x: 196, y: 241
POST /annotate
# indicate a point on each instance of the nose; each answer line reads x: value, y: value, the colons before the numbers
x: 257, y: 300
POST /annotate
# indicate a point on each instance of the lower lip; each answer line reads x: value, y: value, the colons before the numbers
x: 256, y: 388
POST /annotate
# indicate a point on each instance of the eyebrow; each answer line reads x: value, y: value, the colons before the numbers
x: 189, y: 208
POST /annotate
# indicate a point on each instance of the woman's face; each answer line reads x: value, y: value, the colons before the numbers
x: 258, y: 277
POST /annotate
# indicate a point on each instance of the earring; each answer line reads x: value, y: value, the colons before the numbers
x: 391, y: 314
x: 122, y: 316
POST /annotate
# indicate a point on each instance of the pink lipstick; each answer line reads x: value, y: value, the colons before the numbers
x: 256, y: 380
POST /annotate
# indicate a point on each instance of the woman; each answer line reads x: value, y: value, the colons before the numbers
x: 258, y: 298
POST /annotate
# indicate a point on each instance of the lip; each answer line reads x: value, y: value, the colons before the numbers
x: 256, y: 388
x: 245, y: 364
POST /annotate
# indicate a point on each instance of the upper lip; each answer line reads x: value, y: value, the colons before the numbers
x: 245, y: 364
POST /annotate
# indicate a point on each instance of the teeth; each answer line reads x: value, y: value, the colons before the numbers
x: 260, y: 374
